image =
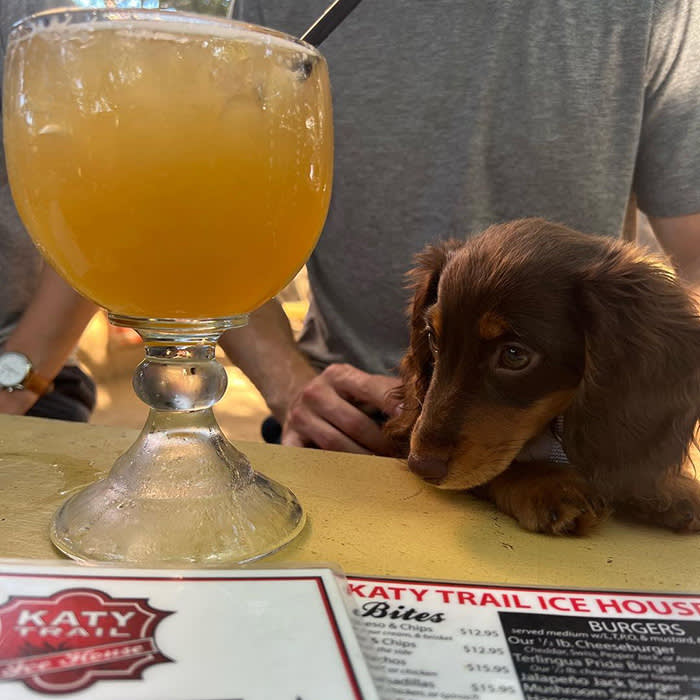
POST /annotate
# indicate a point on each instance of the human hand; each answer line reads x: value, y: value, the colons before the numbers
x: 333, y: 411
x: 17, y: 403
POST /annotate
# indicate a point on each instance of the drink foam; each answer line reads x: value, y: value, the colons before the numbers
x: 159, y: 25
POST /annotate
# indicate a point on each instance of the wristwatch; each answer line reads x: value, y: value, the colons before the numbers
x: 16, y: 373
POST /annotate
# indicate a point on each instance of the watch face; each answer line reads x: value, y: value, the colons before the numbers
x: 14, y: 368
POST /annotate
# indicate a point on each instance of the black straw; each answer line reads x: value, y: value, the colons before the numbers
x: 328, y: 21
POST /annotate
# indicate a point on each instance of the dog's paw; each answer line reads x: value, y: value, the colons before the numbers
x: 674, y: 504
x: 548, y: 498
x: 685, y: 517
x: 561, y: 509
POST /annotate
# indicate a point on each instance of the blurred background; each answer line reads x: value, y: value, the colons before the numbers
x: 211, y: 7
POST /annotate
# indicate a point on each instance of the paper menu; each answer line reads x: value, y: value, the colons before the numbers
x: 457, y: 641
x: 78, y: 632
x: 75, y: 632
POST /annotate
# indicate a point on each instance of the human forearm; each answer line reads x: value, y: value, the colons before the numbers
x: 52, y: 324
x: 680, y: 238
x: 47, y: 333
x: 266, y: 352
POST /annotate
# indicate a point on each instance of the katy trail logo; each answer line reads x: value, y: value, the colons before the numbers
x: 76, y: 637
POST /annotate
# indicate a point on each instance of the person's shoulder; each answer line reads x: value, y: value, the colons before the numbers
x: 674, y: 18
x: 674, y: 40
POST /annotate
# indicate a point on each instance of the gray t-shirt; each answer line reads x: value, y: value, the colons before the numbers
x: 450, y: 116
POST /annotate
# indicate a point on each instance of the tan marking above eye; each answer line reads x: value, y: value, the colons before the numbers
x: 433, y: 320
x: 491, y: 326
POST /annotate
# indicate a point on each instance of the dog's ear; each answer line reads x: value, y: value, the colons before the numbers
x: 635, y: 412
x: 417, y: 364
x: 424, y: 279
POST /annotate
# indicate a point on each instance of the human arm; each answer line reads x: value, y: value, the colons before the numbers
x: 667, y: 177
x: 679, y: 236
x: 47, y: 333
x: 328, y: 409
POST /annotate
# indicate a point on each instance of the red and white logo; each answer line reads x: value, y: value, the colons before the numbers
x: 75, y: 637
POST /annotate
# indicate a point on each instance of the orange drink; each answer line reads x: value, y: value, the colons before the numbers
x: 181, y: 171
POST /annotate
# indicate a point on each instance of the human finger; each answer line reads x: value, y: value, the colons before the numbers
x: 324, y: 418
x: 313, y: 431
x: 375, y: 390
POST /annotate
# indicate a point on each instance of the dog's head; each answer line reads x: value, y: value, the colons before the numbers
x: 531, y: 320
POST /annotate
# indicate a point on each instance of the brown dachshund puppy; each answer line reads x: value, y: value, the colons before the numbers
x: 531, y: 324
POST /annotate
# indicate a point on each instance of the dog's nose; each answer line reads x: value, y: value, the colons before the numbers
x: 430, y: 468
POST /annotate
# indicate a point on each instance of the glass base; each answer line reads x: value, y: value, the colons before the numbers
x: 178, y: 498
x: 182, y: 494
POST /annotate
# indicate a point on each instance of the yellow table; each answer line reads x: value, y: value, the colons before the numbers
x: 367, y: 514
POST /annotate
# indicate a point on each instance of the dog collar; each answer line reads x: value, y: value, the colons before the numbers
x: 547, y: 446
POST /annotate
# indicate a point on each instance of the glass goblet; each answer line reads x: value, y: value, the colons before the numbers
x: 176, y: 169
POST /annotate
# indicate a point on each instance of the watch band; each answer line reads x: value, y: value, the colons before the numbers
x: 17, y: 373
x: 36, y: 383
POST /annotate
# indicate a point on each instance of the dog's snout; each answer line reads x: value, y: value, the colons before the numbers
x: 428, y: 467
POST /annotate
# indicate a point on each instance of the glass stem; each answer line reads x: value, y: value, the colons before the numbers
x: 180, y: 380
x: 180, y: 371
x: 180, y: 377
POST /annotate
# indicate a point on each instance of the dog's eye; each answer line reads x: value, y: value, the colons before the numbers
x: 432, y: 344
x: 514, y: 357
